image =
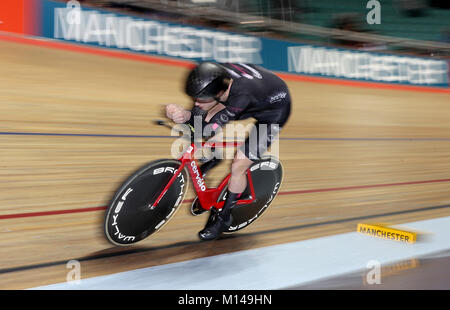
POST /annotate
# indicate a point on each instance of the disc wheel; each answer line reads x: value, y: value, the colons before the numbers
x: 266, y: 175
x: 131, y: 216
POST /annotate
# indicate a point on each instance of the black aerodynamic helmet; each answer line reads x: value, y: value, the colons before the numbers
x: 206, y: 80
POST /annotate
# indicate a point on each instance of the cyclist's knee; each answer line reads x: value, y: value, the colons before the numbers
x: 240, y: 165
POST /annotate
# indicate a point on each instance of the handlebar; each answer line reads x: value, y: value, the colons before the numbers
x: 209, y: 144
x: 160, y: 122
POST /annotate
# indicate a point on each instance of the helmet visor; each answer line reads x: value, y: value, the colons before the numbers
x: 211, y: 91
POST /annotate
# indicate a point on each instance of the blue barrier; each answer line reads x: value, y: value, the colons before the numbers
x: 119, y: 31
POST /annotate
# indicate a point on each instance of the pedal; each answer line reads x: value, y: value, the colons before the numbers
x: 246, y: 195
x: 243, y: 198
x: 196, y: 209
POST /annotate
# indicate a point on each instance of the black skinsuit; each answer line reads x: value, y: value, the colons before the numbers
x: 256, y: 92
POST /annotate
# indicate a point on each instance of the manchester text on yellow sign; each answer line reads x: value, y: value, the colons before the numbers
x: 387, y: 233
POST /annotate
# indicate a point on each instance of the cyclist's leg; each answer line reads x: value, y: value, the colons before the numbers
x: 221, y: 221
x: 238, y: 179
x: 261, y: 136
x: 236, y: 185
x: 256, y: 144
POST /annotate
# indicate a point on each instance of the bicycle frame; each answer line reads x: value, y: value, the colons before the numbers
x: 207, y: 196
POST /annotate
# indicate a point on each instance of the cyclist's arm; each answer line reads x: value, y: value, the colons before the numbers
x: 221, y: 118
x: 177, y: 113
x: 236, y: 104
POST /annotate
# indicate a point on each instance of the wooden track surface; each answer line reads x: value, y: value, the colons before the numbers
x: 350, y: 155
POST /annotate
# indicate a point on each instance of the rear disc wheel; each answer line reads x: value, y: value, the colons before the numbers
x: 267, y: 176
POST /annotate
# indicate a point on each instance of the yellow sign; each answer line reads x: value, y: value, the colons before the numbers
x: 387, y: 233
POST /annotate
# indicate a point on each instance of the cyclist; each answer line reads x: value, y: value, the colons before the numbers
x: 225, y: 92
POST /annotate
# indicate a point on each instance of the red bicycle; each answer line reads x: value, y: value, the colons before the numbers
x: 148, y: 199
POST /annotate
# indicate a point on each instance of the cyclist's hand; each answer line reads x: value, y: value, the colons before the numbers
x: 176, y: 113
x: 170, y: 109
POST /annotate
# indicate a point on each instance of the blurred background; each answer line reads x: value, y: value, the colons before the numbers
x: 412, y: 26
